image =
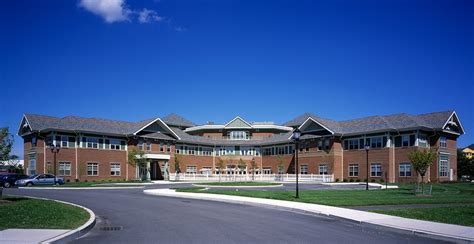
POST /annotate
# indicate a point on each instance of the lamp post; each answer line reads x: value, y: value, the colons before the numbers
x: 296, y: 137
x: 367, y: 148
x: 55, y: 150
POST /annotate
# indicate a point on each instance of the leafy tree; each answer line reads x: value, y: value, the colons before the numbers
x: 177, y: 165
x: 421, y: 161
x: 242, y: 165
x: 281, y: 166
x: 220, y: 166
x: 253, y: 165
x: 6, y: 144
x: 138, y: 159
x: 465, y: 165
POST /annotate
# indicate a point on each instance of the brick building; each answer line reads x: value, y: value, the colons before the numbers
x: 97, y: 149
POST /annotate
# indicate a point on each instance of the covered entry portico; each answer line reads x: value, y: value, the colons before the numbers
x: 158, y: 166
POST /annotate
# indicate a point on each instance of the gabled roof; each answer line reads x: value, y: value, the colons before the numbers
x: 470, y: 147
x: 176, y: 120
x: 238, y: 122
x: 395, y: 122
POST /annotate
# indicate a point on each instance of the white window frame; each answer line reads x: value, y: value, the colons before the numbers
x: 148, y: 146
x: 443, y: 142
x: 95, y: 166
x: 406, y: 138
x: 375, y: 170
x: 115, y: 144
x: 323, y: 169
x: 267, y: 170
x: 191, y: 169
x: 32, y: 170
x: 304, y: 169
x: 114, y: 170
x: 63, y: 168
x: 404, y: 169
x: 353, y: 171
x: 443, y: 168
x: 92, y: 141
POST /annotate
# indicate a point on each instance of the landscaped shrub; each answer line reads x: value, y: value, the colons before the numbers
x: 373, y: 180
x: 382, y: 181
x: 351, y: 180
x: 68, y: 180
x: 358, y: 180
x: 344, y: 180
x: 337, y: 179
x: 77, y: 180
x: 85, y: 180
x: 365, y: 180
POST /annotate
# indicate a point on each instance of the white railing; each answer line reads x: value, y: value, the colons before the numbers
x: 249, y: 177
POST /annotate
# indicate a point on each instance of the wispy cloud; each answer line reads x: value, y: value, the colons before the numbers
x: 146, y: 16
x: 110, y: 10
x: 117, y: 10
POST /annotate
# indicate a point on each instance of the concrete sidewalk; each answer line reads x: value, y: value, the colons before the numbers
x: 29, y: 235
x: 436, y: 230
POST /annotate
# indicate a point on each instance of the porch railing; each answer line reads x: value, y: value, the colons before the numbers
x: 248, y: 177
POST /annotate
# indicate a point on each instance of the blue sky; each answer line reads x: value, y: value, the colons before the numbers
x: 213, y: 60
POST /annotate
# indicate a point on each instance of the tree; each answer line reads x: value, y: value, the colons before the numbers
x: 6, y: 144
x: 177, y: 166
x: 138, y: 159
x: 220, y: 166
x: 465, y: 165
x: 253, y: 164
x: 421, y: 161
x: 242, y: 165
x: 281, y: 166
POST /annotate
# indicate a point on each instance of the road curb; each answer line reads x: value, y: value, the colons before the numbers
x: 83, y: 188
x: 212, y: 186
x: 72, y: 234
x: 373, y: 223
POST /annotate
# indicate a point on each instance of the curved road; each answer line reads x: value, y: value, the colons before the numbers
x: 129, y: 216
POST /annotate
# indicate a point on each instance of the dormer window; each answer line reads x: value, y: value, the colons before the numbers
x: 239, y: 135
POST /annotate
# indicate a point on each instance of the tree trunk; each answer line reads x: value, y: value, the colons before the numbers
x: 422, y: 180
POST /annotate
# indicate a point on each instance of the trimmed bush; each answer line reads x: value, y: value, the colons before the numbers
x: 382, y: 180
x: 344, y: 180
x: 351, y: 180
x: 68, y: 180
x: 77, y: 180
x: 373, y: 180
x: 358, y: 180
x: 337, y: 179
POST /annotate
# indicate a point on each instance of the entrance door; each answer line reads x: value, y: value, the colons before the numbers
x: 155, y: 171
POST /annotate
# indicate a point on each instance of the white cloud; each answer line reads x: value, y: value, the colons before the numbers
x: 110, y: 10
x: 146, y: 16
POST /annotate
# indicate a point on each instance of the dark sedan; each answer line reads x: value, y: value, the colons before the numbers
x: 8, y: 180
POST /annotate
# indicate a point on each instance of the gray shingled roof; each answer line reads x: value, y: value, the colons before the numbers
x: 378, y: 123
x: 176, y: 120
x: 158, y: 135
x: 74, y: 123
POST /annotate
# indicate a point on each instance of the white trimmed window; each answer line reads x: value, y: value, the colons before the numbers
x: 92, y: 142
x: 162, y: 147
x: 443, y: 167
x: 375, y: 170
x: 140, y: 145
x: 405, y: 140
x: 115, y: 144
x: 304, y: 169
x: 115, y: 169
x: 353, y: 170
x: 442, y: 142
x: 32, y: 166
x: 92, y: 169
x: 64, y: 169
x: 267, y: 170
x: 323, y: 169
x: 422, y: 141
x: 191, y: 169
x: 405, y: 170
x: 376, y: 142
x: 148, y: 146
x: 327, y: 144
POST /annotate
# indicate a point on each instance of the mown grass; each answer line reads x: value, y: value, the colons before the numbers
x: 240, y: 183
x: 27, y: 213
x: 442, y: 193
x: 460, y: 215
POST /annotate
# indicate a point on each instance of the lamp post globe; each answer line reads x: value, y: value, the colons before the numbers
x: 296, y: 137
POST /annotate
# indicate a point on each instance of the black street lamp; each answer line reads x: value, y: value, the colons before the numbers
x: 296, y: 137
x: 55, y: 150
x: 367, y: 148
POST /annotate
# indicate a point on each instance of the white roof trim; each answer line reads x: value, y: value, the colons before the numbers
x: 163, y: 123
x: 258, y: 126
x: 309, y: 118
x: 447, y: 121
x: 238, y: 117
x: 204, y: 127
x: 21, y: 122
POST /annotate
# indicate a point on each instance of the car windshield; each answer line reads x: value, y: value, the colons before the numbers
x: 32, y: 176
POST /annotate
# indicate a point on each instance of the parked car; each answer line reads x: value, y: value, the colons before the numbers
x: 8, y: 180
x: 40, y: 179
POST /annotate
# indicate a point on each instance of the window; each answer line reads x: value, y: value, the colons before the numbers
x: 443, y: 167
x: 354, y: 144
x: 64, y: 141
x: 206, y: 170
x: 191, y: 150
x: 140, y: 146
x: 162, y: 147
x: 320, y: 145
x: 115, y: 169
x: 148, y: 146
x: 32, y: 166
x: 323, y: 169
x: 115, y: 144
x: 405, y: 170
x: 375, y: 142
x: 64, y: 169
x: 327, y: 144
x: 267, y: 170
x: 238, y: 135
x: 168, y: 147
x: 422, y: 141
x: 442, y: 142
x: 353, y: 170
x: 33, y: 141
x: 92, y: 169
x: 191, y: 169
x: 92, y: 142
x: 304, y: 169
x: 376, y: 170
x: 405, y: 140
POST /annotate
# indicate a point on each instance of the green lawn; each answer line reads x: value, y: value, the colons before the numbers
x: 442, y: 193
x: 240, y: 183
x: 460, y: 215
x: 27, y: 213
